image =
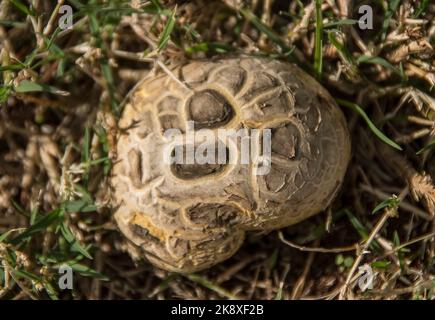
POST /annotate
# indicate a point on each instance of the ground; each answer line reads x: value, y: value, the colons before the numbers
x: 61, y: 93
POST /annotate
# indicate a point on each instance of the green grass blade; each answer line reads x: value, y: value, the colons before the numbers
x: 400, y: 255
x: 22, y: 7
x: 271, y: 34
x: 86, y: 155
x: 427, y: 147
x: 166, y: 34
x: 50, y: 290
x: 421, y: 8
x: 41, y: 225
x: 4, y: 93
x: 392, y: 7
x: 27, y: 275
x: 343, y: 51
x: 371, y: 125
x: 210, y: 285
x: 157, y: 5
x: 318, y: 54
x: 11, y: 67
x: 342, y: 22
x: 362, y: 230
x: 86, y: 146
x: 5, y: 235
x: 102, y: 137
x: 359, y: 227
x: 379, y: 61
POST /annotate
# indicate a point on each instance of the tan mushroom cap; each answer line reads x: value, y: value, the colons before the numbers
x: 189, y: 216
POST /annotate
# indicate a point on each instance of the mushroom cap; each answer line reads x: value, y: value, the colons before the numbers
x: 188, y: 215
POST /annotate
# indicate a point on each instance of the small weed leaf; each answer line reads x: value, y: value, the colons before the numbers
x: 382, y: 264
x: 75, y: 245
x: 81, y: 205
x: 29, y: 86
x: 339, y: 259
x: 388, y: 203
x: 344, y: 261
x: 209, y: 47
x: 5, y: 235
x: 430, y: 145
x: 87, y: 271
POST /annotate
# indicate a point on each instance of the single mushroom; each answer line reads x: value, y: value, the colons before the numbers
x: 190, y: 215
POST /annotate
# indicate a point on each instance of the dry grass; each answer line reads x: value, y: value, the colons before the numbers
x: 60, y: 94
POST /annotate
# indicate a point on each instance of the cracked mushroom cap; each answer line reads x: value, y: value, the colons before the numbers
x: 185, y: 217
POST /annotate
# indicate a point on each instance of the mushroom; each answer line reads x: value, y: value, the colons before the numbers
x: 212, y: 149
